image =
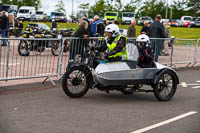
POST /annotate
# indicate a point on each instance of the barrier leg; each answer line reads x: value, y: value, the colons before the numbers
x: 48, y: 77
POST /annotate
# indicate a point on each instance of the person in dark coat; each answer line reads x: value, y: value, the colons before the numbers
x: 4, y: 24
x: 89, y: 30
x: 77, y: 46
x: 53, y: 25
x: 145, y: 29
x: 157, y: 31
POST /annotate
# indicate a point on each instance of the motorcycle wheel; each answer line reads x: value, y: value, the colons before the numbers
x: 75, y: 82
x: 166, y: 85
x: 40, y: 46
x: 22, y: 48
x: 55, y: 48
x: 66, y: 47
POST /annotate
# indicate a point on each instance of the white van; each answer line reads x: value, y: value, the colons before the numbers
x: 127, y: 17
x: 26, y: 13
x: 40, y: 16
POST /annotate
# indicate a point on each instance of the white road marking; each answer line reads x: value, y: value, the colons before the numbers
x: 198, y: 81
x: 196, y: 87
x: 164, y: 122
x: 183, y: 84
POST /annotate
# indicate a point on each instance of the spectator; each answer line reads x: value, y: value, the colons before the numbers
x: 84, y: 18
x: 53, y: 25
x: 77, y: 45
x: 131, y: 29
x: 4, y: 24
x: 157, y: 31
x: 145, y: 28
x: 21, y: 27
x: 97, y: 27
x: 167, y: 35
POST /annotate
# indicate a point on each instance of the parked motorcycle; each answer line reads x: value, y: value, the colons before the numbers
x: 125, y: 76
x: 25, y: 46
x: 61, y: 34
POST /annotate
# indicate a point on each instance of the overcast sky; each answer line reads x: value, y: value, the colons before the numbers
x: 49, y: 5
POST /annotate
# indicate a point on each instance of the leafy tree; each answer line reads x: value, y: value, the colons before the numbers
x: 193, y: 6
x: 99, y: 8
x: 60, y: 7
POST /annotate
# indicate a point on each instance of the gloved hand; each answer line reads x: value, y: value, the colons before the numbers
x: 106, y: 55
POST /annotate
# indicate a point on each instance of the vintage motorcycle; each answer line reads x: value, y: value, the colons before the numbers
x: 125, y: 76
x: 61, y: 34
x: 25, y: 46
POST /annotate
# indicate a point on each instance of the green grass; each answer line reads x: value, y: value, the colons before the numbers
x: 177, y: 32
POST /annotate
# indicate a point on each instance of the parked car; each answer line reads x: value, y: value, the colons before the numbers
x: 196, y: 21
x: 26, y: 13
x: 175, y: 23
x: 127, y: 17
x: 186, y: 20
x: 40, y: 16
x: 123, y: 32
x: 59, y: 17
x: 40, y: 26
x: 145, y: 18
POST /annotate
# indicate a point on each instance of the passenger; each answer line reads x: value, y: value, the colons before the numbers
x: 145, y: 51
x: 115, y: 43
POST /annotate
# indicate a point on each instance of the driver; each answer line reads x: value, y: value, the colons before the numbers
x: 115, y: 44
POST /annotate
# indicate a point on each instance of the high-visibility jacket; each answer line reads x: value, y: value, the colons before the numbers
x: 122, y: 53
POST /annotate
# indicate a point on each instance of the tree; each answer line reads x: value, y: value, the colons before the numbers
x: 193, y: 7
x: 178, y: 9
x: 60, y: 7
x: 99, y: 8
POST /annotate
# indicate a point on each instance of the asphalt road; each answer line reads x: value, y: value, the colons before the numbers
x: 36, y: 108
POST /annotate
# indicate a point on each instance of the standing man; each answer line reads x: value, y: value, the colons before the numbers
x: 98, y: 27
x: 4, y: 23
x: 131, y: 31
x: 145, y: 28
x: 53, y: 25
x: 157, y: 31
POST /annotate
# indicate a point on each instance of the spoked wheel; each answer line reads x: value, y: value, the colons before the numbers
x: 23, y: 48
x: 75, y: 82
x: 165, y: 86
x: 55, y: 48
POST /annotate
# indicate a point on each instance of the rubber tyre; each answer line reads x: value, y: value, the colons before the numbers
x: 19, y: 49
x: 64, y: 82
x: 173, y: 89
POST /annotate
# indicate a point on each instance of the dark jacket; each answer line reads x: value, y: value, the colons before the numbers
x: 77, y: 46
x: 131, y: 31
x: 145, y: 29
x: 98, y: 27
x: 54, y: 25
x: 4, y: 22
x: 157, y: 30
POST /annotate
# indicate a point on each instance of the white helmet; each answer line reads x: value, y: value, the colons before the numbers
x: 112, y: 28
x: 143, y: 38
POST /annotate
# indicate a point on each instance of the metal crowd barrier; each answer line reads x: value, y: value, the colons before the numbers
x: 28, y: 58
x: 53, y: 55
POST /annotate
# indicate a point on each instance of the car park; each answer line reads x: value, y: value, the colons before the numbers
x: 127, y: 17
x: 175, y: 23
x: 145, y: 18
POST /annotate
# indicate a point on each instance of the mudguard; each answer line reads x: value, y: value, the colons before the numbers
x: 161, y: 71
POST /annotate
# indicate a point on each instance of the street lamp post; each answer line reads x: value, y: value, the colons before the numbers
x: 166, y: 10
